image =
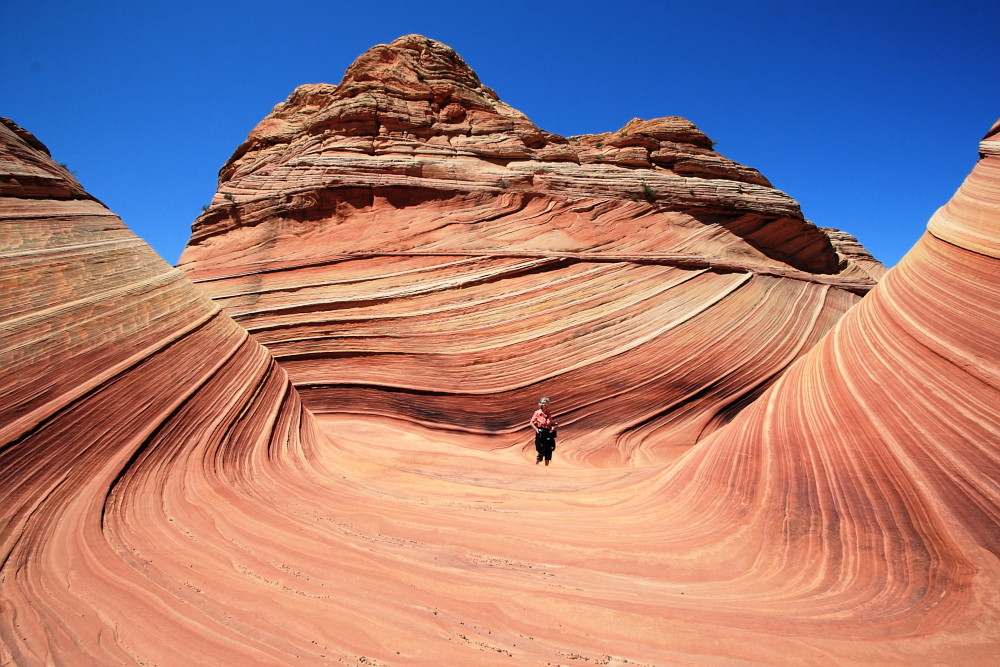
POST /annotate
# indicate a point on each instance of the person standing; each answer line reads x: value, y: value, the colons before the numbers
x: 545, y: 431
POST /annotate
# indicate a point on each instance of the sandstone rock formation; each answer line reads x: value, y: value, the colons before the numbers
x: 878, y: 453
x: 166, y: 499
x: 407, y: 244
x: 128, y: 405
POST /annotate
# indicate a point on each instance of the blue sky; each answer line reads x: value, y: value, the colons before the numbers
x: 868, y: 113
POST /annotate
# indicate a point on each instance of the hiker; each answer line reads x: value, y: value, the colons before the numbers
x: 545, y: 432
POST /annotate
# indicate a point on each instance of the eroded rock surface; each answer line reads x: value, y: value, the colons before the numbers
x: 878, y: 452
x: 407, y: 244
x: 167, y: 500
x: 129, y: 404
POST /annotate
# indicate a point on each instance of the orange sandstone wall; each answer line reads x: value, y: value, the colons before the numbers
x: 127, y: 401
x: 406, y: 244
x: 166, y: 499
x: 872, y: 465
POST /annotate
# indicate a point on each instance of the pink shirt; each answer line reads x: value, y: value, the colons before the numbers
x: 542, y: 420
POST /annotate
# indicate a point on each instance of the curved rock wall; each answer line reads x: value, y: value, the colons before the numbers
x: 166, y: 499
x: 876, y: 457
x: 405, y: 244
x: 128, y: 404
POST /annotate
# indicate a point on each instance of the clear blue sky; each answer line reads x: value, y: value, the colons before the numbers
x: 866, y: 112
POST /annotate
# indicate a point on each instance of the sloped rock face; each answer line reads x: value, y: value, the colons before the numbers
x: 878, y: 452
x: 122, y: 388
x: 406, y: 244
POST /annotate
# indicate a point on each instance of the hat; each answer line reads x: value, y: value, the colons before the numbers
x: 543, y: 401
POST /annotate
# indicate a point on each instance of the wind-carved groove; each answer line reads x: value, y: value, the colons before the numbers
x: 180, y: 405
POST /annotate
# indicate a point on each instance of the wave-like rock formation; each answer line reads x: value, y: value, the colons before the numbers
x: 133, y: 414
x: 406, y: 244
x: 873, y: 464
x: 166, y: 498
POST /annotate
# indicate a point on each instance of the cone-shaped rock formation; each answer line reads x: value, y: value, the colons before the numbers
x: 407, y: 244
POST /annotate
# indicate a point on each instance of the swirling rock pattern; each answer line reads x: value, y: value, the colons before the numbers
x: 129, y: 403
x: 166, y: 499
x: 879, y: 451
x: 406, y: 244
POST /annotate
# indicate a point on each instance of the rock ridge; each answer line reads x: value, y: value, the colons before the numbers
x: 413, y: 117
x: 30, y: 172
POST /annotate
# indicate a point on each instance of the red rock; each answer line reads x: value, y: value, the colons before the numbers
x: 878, y: 452
x: 167, y: 500
x: 405, y: 243
x: 122, y: 389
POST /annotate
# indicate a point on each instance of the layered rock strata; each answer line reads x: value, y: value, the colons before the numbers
x: 128, y: 402
x: 407, y: 244
x: 878, y: 452
x: 166, y: 499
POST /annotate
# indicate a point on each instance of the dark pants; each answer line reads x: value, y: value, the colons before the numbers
x: 545, y: 442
